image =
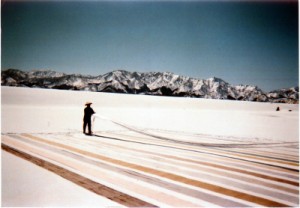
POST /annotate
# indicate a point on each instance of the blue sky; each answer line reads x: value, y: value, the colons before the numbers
x: 250, y: 42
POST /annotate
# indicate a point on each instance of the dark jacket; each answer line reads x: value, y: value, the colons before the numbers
x: 88, y: 112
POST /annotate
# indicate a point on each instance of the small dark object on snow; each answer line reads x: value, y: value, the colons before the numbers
x: 277, y: 109
x: 290, y: 110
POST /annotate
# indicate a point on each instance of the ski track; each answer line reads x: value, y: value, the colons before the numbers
x: 150, y: 168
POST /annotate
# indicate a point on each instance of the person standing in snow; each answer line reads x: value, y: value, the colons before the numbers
x: 88, y: 112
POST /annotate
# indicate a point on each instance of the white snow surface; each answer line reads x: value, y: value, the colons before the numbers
x: 28, y: 110
x: 50, y: 111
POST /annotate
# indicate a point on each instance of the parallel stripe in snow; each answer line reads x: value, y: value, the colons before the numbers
x: 268, y: 153
x: 257, y: 158
x: 212, y: 178
x: 241, y: 195
x: 260, y: 155
x: 200, y: 170
x: 209, y: 152
x: 103, y: 144
x: 189, y: 192
x: 165, y: 157
x: 181, y: 165
x: 126, y: 185
x: 241, y: 171
x: 222, y: 162
x: 224, y: 171
x: 97, y: 188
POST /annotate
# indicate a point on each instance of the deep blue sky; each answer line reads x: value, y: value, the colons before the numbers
x: 241, y: 42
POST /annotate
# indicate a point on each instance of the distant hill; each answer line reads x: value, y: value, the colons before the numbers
x: 152, y: 83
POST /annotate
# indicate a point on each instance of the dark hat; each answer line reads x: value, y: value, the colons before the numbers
x: 88, y: 103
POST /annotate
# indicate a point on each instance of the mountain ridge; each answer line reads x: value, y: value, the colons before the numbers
x: 148, y: 83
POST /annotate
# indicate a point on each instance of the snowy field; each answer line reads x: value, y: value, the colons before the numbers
x: 146, y: 151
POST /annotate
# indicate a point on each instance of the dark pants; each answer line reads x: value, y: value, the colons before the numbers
x: 89, y: 124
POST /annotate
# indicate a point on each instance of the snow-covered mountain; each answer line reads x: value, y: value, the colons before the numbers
x: 288, y: 95
x: 152, y: 83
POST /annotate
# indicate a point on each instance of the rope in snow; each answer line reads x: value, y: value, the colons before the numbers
x: 201, y: 144
x: 113, y: 121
